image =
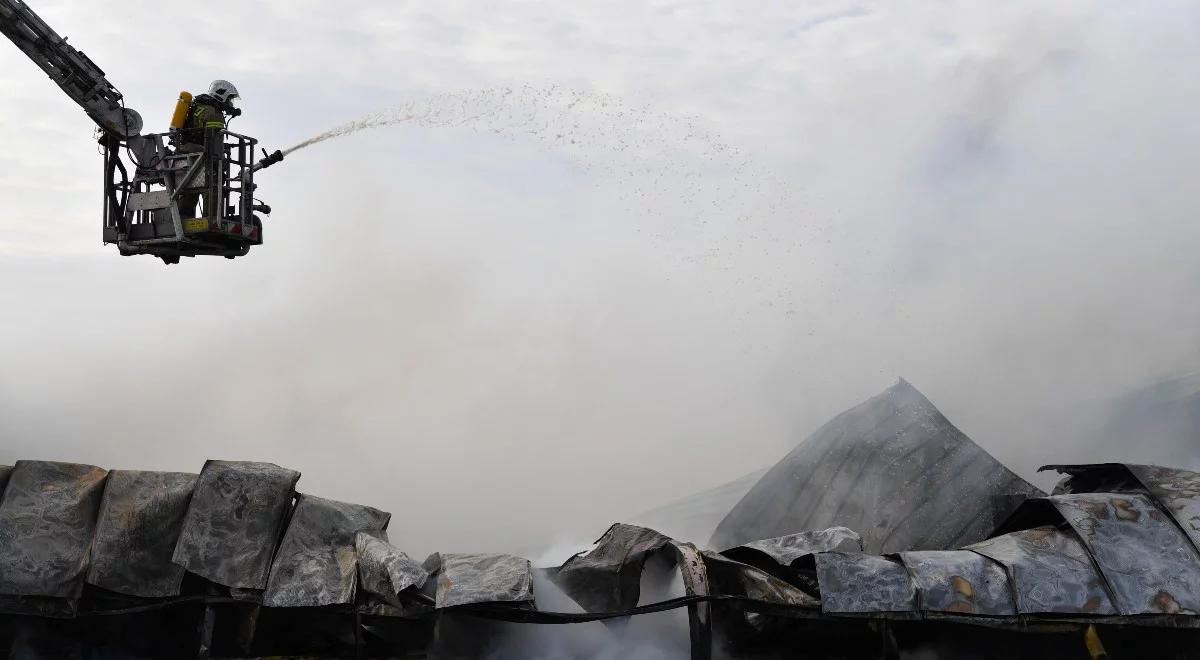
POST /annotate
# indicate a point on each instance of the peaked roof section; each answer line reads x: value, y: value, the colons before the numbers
x: 893, y: 469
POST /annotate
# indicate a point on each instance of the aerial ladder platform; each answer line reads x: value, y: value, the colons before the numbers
x: 143, y: 214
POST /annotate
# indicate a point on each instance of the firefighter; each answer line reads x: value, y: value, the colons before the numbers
x: 206, y: 113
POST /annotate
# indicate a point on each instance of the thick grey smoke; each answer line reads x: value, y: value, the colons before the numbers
x: 503, y: 338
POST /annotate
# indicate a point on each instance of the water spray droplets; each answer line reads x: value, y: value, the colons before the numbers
x: 688, y: 189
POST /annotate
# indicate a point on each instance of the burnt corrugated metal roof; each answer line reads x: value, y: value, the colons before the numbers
x: 234, y: 521
x: 47, y: 518
x: 1083, y: 555
x: 317, y: 562
x: 1050, y: 572
x: 141, y: 516
x: 893, y: 469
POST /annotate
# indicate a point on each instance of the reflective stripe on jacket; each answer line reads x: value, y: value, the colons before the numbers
x: 205, y: 113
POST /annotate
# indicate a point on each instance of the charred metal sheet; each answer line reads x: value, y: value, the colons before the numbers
x: 732, y: 578
x: 959, y: 582
x: 141, y: 516
x: 317, y: 563
x: 1050, y: 572
x: 45, y: 606
x: 608, y: 578
x: 385, y: 571
x: 1179, y: 493
x: 1094, y: 478
x: 234, y: 520
x: 465, y: 579
x: 1148, y: 564
x: 47, y: 518
x: 785, y: 550
x: 894, y: 469
x: 691, y: 567
x: 695, y: 583
x: 858, y: 583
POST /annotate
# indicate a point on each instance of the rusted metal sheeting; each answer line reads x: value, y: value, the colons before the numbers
x: 47, y: 517
x: 608, y: 578
x: 1179, y: 493
x: 1147, y: 562
x: 317, y: 561
x: 1050, y: 572
x: 959, y: 582
x: 785, y: 550
x: 234, y: 519
x: 141, y: 516
x: 385, y: 571
x: 860, y: 584
x: 465, y: 579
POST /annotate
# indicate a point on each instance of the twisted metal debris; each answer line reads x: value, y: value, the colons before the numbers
x: 234, y: 558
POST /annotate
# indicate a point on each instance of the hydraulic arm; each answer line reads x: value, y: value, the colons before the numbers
x: 77, y: 75
x: 184, y: 201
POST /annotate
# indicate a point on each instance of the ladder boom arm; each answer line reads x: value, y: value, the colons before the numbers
x: 70, y: 69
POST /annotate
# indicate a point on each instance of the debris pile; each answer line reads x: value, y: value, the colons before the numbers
x: 234, y: 562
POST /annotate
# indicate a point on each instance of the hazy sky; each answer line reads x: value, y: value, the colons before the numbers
x: 769, y: 213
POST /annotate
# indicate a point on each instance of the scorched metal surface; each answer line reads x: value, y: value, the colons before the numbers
x: 47, y: 519
x: 234, y: 520
x: 141, y: 516
x: 892, y: 469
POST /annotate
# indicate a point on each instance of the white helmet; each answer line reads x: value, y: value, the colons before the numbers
x: 222, y: 90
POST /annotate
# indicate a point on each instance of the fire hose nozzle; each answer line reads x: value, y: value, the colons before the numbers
x: 268, y: 159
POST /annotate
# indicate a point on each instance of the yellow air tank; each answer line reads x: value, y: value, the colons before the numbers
x: 181, y: 108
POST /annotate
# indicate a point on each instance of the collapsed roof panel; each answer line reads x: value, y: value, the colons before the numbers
x: 893, y: 469
x: 787, y: 550
x: 1095, y: 478
x: 317, y: 563
x: 1179, y: 493
x: 959, y: 582
x: 385, y: 571
x: 853, y: 583
x: 608, y: 578
x: 729, y: 577
x: 141, y: 515
x: 466, y: 579
x: 47, y: 517
x: 337, y: 553
x: 1147, y: 562
x: 234, y: 520
x: 1050, y: 572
